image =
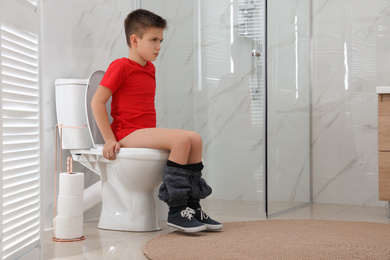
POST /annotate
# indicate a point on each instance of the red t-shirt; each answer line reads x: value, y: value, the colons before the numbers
x: 133, y: 92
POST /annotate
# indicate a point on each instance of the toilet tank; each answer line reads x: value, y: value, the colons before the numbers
x: 70, y: 107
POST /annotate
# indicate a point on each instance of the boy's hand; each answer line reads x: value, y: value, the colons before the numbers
x: 110, y: 149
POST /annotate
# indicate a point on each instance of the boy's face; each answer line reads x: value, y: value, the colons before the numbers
x: 148, y: 47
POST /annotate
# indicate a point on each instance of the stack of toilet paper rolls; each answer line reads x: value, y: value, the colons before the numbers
x: 68, y: 224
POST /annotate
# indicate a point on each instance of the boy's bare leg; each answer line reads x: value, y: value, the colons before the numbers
x: 185, y: 146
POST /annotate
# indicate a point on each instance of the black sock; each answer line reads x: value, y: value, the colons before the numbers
x: 193, y: 203
x: 173, y: 210
x: 193, y: 167
x: 176, y: 165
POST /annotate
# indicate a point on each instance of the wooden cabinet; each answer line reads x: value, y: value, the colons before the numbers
x: 384, y: 176
x: 384, y: 146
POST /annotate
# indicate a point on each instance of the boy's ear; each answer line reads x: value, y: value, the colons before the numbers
x: 134, y: 40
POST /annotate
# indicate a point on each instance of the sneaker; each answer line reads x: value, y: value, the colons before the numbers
x: 185, y: 221
x: 211, y: 224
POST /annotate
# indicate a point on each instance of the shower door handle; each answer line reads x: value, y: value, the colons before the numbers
x: 256, y: 53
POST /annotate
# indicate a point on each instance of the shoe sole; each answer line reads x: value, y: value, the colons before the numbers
x: 214, y: 227
x: 188, y: 230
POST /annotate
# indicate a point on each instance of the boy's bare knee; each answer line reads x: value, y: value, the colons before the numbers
x: 196, y: 139
x: 182, y: 141
x: 195, y: 136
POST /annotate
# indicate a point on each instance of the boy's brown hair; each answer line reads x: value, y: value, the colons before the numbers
x: 140, y: 20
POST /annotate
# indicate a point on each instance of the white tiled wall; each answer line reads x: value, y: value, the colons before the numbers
x: 351, y: 43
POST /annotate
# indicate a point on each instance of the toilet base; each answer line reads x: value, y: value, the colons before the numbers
x: 140, y: 214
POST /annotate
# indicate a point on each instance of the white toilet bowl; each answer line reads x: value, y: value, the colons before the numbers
x: 128, y: 184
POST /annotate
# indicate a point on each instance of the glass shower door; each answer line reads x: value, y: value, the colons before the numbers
x: 288, y: 105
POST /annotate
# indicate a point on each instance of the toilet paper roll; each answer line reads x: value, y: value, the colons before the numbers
x: 70, y: 206
x: 71, y: 184
x: 68, y: 228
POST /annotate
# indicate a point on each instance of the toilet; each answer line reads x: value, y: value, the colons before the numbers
x: 128, y: 184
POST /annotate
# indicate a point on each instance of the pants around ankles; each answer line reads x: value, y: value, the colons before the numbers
x: 179, y: 185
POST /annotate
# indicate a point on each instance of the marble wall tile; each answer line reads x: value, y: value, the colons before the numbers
x: 350, y: 58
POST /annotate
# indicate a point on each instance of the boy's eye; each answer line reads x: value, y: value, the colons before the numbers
x: 156, y: 39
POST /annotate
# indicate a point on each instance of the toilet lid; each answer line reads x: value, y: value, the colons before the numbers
x: 93, y: 84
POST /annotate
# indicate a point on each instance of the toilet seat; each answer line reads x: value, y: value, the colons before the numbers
x: 93, y: 84
x: 134, y: 153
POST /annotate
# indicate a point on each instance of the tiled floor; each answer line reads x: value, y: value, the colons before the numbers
x: 107, y: 245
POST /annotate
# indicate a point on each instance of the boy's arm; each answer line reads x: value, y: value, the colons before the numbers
x: 98, y: 104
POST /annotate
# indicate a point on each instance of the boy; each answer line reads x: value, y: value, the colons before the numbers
x: 131, y: 83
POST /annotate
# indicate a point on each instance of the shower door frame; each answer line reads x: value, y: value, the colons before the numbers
x: 265, y: 130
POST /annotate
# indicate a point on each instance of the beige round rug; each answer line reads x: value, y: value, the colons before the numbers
x: 277, y: 239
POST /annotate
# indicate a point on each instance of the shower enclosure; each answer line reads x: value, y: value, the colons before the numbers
x: 238, y: 73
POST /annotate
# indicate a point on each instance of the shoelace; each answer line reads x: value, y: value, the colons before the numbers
x: 203, y: 214
x: 187, y: 213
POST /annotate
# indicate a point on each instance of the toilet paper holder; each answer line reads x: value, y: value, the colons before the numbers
x: 69, y: 165
x: 69, y: 171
